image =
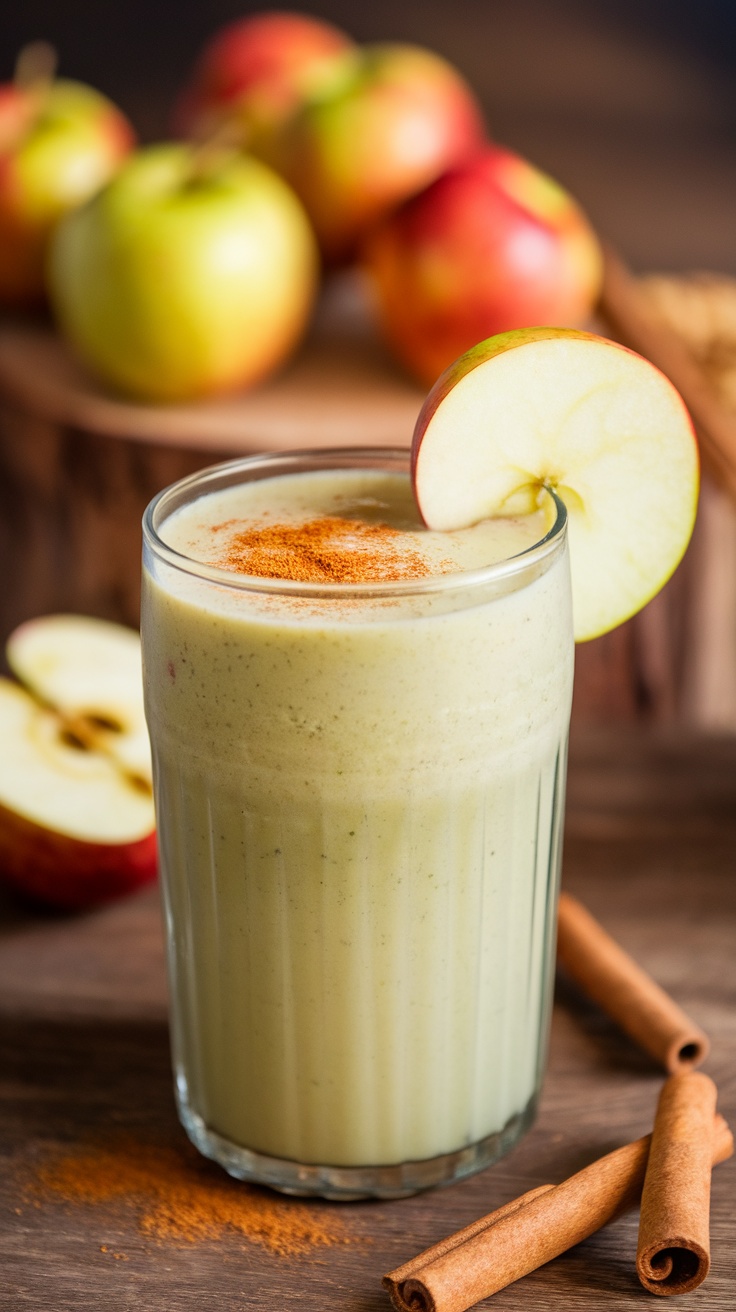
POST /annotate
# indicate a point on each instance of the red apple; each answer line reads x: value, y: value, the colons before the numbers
x: 492, y: 245
x: 76, y: 809
x: 60, y: 141
x: 190, y: 273
x: 257, y: 71
x: 399, y: 119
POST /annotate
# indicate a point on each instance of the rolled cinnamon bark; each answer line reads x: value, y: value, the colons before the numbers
x: 539, y: 1229
x: 607, y: 973
x: 673, y: 1253
x: 396, y: 1281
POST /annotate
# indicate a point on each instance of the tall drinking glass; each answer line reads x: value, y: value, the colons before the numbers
x: 359, y: 791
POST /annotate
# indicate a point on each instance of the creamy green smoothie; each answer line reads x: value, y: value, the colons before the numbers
x: 359, y: 794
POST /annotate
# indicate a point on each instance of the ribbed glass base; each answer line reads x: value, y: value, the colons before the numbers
x: 348, y: 1183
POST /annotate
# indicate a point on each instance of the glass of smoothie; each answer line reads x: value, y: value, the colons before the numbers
x: 359, y: 737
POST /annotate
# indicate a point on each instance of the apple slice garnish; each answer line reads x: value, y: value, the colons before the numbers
x: 77, y: 824
x: 89, y: 670
x: 559, y: 408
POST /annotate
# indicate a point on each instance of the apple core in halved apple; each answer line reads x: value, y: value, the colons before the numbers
x: 77, y: 825
x: 552, y: 407
x: 89, y: 670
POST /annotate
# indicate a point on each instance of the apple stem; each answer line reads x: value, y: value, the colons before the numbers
x: 219, y: 143
x: 35, y: 67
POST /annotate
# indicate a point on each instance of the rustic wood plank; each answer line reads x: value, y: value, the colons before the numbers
x: 84, y: 1049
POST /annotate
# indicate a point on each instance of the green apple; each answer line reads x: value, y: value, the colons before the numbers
x: 493, y: 244
x: 398, y: 117
x: 554, y: 407
x: 76, y: 808
x: 191, y: 273
x: 60, y: 141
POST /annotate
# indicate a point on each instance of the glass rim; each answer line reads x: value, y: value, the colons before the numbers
x: 328, y: 458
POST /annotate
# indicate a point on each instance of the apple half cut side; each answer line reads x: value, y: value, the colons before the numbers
x: 89, y: 670
x: 560, y: 408
x: 75, y: 831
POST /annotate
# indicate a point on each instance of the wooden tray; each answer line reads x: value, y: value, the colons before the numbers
x: 78, y: 466
x: 342, y: 389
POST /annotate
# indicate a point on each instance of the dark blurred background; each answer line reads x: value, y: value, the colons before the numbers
x: 630, y: 103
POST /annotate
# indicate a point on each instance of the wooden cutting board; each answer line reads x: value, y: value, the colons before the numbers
x: 84, y: 1063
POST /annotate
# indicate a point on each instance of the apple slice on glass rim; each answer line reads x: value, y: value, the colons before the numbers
x: 594, y: 421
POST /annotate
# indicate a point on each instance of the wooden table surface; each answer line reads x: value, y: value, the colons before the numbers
x: 650, y: 847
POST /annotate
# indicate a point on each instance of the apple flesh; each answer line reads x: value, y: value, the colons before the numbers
x: 74, y: 830
x: 255, y: 72
x: 549, y: 407
x: 77, y: 823
x: 58, y: 145
x: 494, y: 244
x: 397, y: 120
x: 186, y: 276
x: 89, y: 671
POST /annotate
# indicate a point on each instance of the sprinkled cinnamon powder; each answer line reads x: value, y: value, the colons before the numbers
x: 179, y: 1197
x: 326, y: 550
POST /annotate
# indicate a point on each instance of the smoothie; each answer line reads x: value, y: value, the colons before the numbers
x: 359, y: 796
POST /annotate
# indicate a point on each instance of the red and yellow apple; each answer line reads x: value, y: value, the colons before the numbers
x: 557, y: 408
x: 60, y: 141
x: 255, y: 72
x: 76, y: 810
x: 191, y: 273
x: 492, y: 245
x: 396, y: 120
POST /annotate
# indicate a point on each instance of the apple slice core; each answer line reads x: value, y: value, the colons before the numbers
x: 553, y: 407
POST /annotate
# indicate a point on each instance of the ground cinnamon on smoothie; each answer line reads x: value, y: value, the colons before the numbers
x: 331, y: 549
x: 179, y: 1198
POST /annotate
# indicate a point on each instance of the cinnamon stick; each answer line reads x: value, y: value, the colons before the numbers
x: 607, y: 973
x: 673, y: 1253
x: 517, y: 1240
x: 395, y: 1281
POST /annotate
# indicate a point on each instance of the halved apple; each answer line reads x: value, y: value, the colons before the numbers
x: 90, y: 671
x: 77, y: 823
x: 559, y: 408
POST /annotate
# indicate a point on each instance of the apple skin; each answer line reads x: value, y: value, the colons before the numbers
x: 175, y: 283
x: 255, y: 72
x: 68, y: 873
x: 478, y: 354
x: 58, y: 146
x: 399, y: 118
x: 492, y: 245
